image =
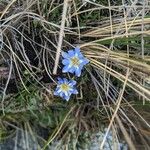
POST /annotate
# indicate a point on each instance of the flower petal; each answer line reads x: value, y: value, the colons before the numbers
x: 60, y: 81
x: 65, y: 55
x: 72, y: 83
x: 65, y: 68
x: 78, y: 53
x: 75, y: 91
x: 56, y: 93
x: 65, y: 61
x: 85, y: 61
x: 62, y: 94
x: 71, y: 70
x: 67, y: 97
x: 65, y: 80
x: 71, y: 53
x: 77, y: 50
x: 78, y: 72
x: 66, y: 93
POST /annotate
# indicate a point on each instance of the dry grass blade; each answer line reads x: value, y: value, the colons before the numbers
x: 61, y: 35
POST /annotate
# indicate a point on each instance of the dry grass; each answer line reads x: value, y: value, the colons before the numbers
x: 114, y: 36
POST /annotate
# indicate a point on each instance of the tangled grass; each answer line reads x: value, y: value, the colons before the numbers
x: 114, y: 88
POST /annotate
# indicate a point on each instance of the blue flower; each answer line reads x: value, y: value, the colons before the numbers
x: 74, y: 61
x: 65, y: 88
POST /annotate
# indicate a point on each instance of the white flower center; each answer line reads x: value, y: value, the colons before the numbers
x: 64, y: 87
x: 75, y: 61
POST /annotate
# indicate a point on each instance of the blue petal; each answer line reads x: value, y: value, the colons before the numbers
x: 65, y: 55
x: 77, y: 50
x: 78, y: 53
x: 71, y: 53
x: 61, y: 94
x: 60, y: 81
x: 78, y: 72
x: 65, y: 62
x: 65, y: 80
x: 72, y: 70
x: 56, y: 93
x: 66, y: 98
x: 80, y: 56
x: 57, y: 88
x: 75, y: 91
x: 66, y: 93
x: 71, y: 90
x: 72, y: 83
x: 65, y: 68
x: 81, y: 66
x: 85, y: 61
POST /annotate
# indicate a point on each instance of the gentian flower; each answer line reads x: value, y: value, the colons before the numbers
x: 74, y: 61
x: 65, y: 88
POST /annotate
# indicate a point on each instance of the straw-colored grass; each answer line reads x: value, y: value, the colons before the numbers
x: 114, y: 89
